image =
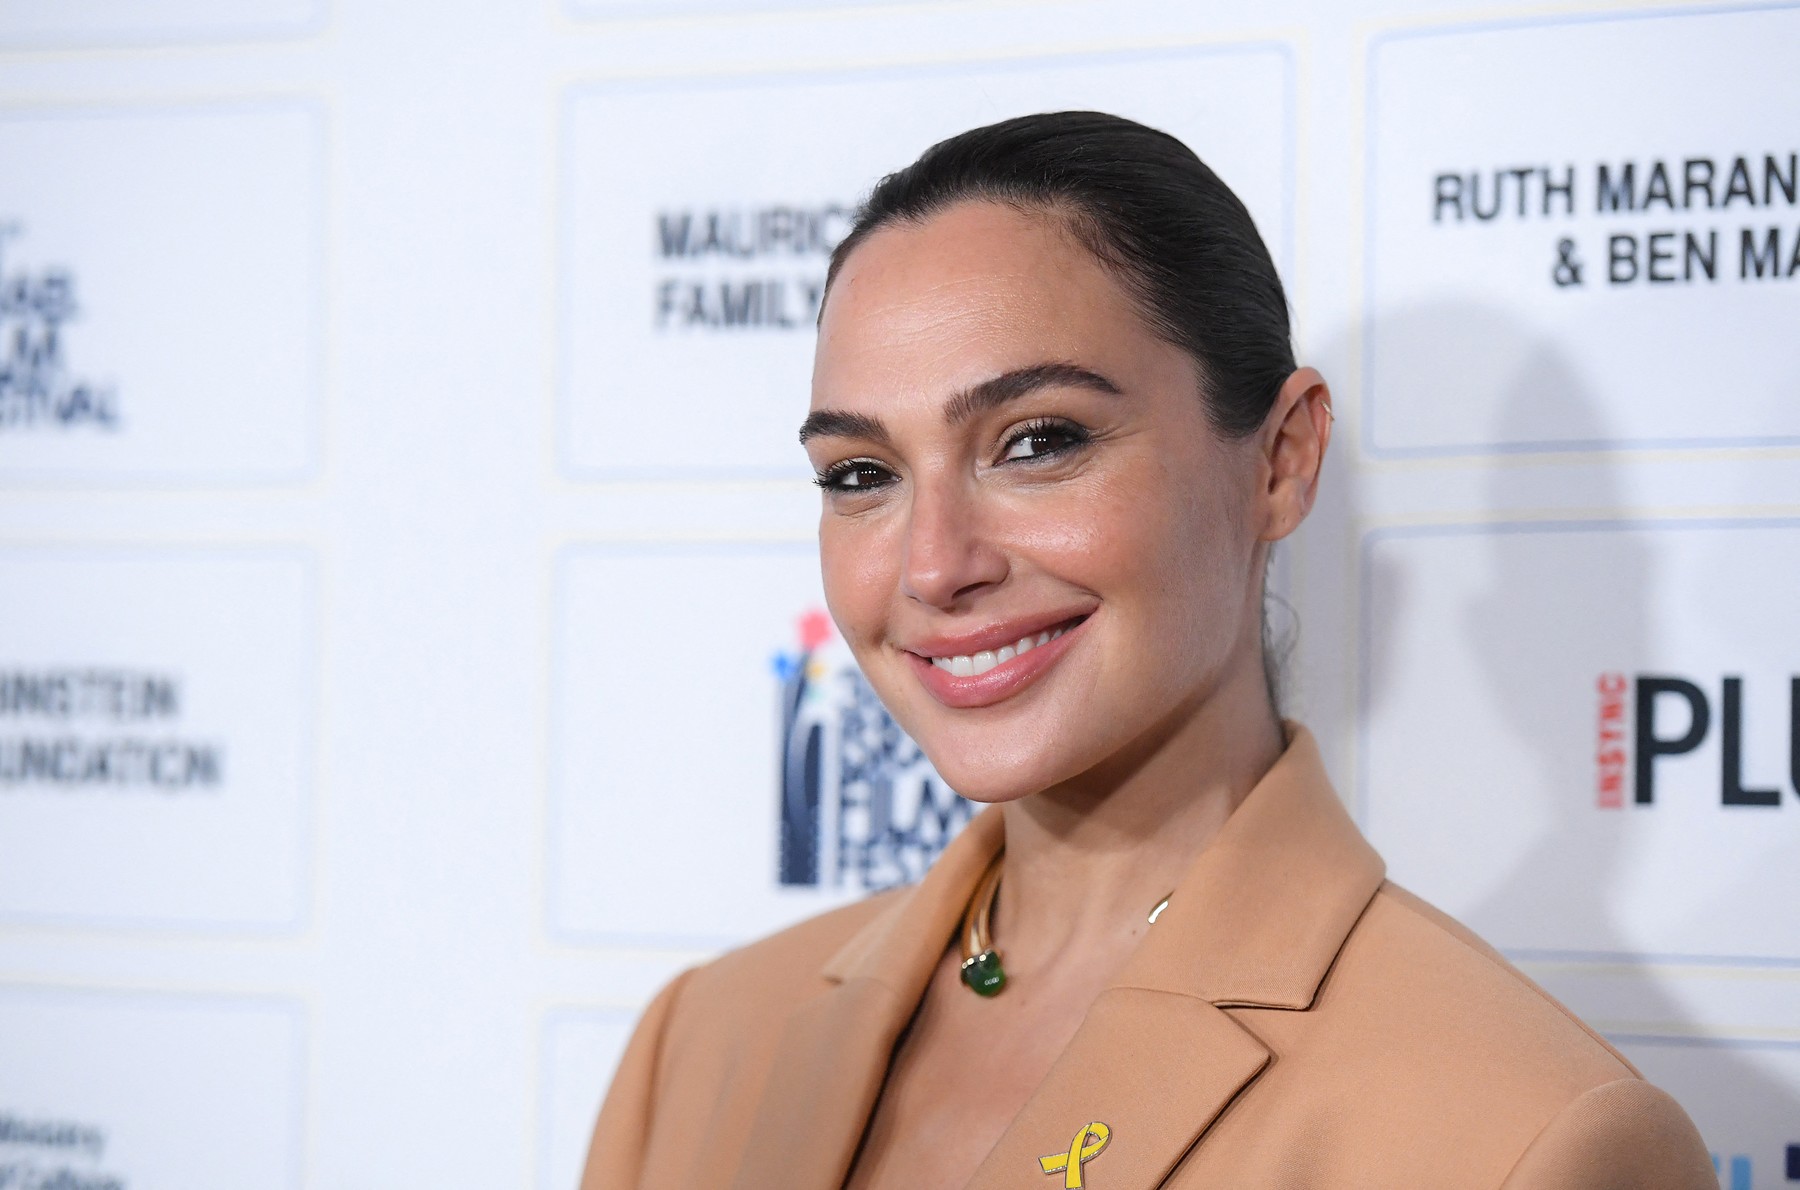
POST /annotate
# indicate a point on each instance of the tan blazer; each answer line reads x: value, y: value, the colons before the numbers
x: 1292, y: 1020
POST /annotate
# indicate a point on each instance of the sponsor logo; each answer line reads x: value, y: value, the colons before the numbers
x: 54, y: 1154
x: 860, y: 805
x: 38, y: 388
x: 1645, y: 719
x: 1625, y: 188
x: 74, y: 728
x: 744, y: 268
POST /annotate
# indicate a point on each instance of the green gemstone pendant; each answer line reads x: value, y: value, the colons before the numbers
x: 983, y: 974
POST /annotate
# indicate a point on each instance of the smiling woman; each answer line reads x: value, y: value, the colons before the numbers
x: 1057, y: 427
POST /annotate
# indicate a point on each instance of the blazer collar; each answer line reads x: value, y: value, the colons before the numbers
x: 1256, y: 921
x: 1263, y: 911
x: 900, y: 947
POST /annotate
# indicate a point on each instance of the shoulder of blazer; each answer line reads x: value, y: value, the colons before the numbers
x: 1437, y: 1055
x: 1490, y: 961
x: 1450, y: 1044
x: 1622, y: 1135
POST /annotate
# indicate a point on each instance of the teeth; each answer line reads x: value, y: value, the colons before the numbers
x: 967, y: 666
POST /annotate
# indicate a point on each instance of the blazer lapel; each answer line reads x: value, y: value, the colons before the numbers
x: 829, y: 1068
x: 1156, y: 1068
x: 835, y: 1047
x: 1256, y: 921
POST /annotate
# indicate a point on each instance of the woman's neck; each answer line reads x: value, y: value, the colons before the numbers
x: 1086, y: 860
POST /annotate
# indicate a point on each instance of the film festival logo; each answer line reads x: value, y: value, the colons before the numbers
x: 38, y: 387
x: 1645, y: 719
x: 860, y: 804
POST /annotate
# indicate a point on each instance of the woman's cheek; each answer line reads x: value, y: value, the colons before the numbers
x: 1084, y: 532
x: 860, y: 576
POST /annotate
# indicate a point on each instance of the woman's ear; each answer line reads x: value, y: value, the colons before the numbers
x: 1293, y: 442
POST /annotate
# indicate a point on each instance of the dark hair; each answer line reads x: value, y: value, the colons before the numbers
x: 1147, y: 208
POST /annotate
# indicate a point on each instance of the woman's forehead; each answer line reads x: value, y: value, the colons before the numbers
x: 978, y: 287
x: 954, y: 254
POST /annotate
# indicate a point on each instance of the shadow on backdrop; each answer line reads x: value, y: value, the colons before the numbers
x: 1544, y: 387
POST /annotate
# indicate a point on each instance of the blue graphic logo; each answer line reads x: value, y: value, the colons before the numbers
x: 860, y: 805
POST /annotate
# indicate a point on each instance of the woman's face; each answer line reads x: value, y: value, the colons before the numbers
x: 1039, y: 551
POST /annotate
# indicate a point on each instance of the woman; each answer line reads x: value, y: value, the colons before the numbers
x: 1058, y: 426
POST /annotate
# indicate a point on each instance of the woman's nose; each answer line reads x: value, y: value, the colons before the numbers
x: 949, y: 553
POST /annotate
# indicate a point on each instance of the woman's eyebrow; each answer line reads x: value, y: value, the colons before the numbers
x: 836, y: 423
x: 1009, y: 386
x: 978, y: 399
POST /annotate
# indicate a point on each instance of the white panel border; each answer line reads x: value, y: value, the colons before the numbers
x: 292, y: 1008
x: 555, y: 928
x: 308, y: 838
x: 1361, y: 803
x: 312, y: 24
x: 319, y: 109
x: 625, y: 1019
x: 1367, y: 410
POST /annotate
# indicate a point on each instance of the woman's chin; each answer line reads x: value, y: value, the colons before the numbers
x: 991, y: 793
x: 998, y: 779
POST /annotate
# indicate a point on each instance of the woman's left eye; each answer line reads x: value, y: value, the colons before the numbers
x: 1043, y: 439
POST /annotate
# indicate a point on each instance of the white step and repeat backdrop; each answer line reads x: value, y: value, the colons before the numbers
x: 411, y: 648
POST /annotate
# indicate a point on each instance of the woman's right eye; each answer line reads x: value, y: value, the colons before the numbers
x: 854, y: 475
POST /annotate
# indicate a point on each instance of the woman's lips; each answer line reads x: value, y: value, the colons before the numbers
x: 1003, y: 671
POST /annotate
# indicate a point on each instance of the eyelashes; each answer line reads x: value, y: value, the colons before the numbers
x: 1057, y: 435
x: 1035, y: 442
x: 853, y: 475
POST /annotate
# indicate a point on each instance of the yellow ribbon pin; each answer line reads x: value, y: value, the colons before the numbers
x: 1086, y: 1146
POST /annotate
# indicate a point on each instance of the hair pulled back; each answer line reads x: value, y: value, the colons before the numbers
x: 1149, y: 210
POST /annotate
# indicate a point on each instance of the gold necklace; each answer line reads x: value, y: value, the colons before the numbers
x: 981, y: 969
